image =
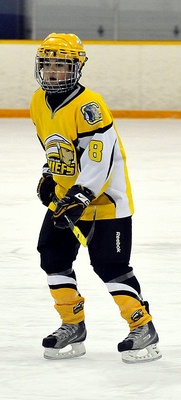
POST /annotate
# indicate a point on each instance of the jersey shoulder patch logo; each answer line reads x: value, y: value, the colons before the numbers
x: 91, y: 113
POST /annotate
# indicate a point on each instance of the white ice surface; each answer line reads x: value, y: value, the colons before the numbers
x: 153, y: 150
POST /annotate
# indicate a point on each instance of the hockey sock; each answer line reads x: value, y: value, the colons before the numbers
x: 69, y: 304
x: 132, y: 310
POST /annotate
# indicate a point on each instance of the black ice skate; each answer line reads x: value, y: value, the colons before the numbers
x: 66, y: 342
x: 140, y: 345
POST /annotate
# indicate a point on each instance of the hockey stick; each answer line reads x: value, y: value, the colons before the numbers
x: 77, y: 232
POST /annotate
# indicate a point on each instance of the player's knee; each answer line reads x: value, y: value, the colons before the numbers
x: 52, y: 265
x: 110, y: 271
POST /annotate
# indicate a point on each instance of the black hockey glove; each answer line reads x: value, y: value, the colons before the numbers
x: 46, y: 186
x: 73, y: 205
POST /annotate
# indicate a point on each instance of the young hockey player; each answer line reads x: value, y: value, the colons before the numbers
x: 84, y: 183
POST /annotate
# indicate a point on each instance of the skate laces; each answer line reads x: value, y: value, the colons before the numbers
x: 136, y: 332
x: 65, y: 331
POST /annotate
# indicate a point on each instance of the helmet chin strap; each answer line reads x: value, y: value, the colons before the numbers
x: 59, y: 90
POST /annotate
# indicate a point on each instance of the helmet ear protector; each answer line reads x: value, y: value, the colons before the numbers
x: 59, y: 61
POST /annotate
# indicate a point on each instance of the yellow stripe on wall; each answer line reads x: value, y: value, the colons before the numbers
x: 112, y: 42
x: 14, y: 113
x: 129, y: 114
x: 159, y: 114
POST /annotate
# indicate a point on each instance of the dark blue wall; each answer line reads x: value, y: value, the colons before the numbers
x: 12, y: 19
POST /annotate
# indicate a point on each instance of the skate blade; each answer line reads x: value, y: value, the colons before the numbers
x: 71, y: 351
x: 150, y: 353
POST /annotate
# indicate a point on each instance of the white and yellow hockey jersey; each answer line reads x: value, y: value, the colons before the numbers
x: 83, y: 147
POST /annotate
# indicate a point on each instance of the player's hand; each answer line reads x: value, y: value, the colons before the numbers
x: 73, y: 205
x: 46, y: 186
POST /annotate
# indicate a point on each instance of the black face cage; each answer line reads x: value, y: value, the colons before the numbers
x: 47, y: 70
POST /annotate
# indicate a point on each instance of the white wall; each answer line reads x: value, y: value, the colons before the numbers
x: 129, y: 76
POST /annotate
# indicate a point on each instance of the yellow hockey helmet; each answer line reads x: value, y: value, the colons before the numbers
x: 59, y: 61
